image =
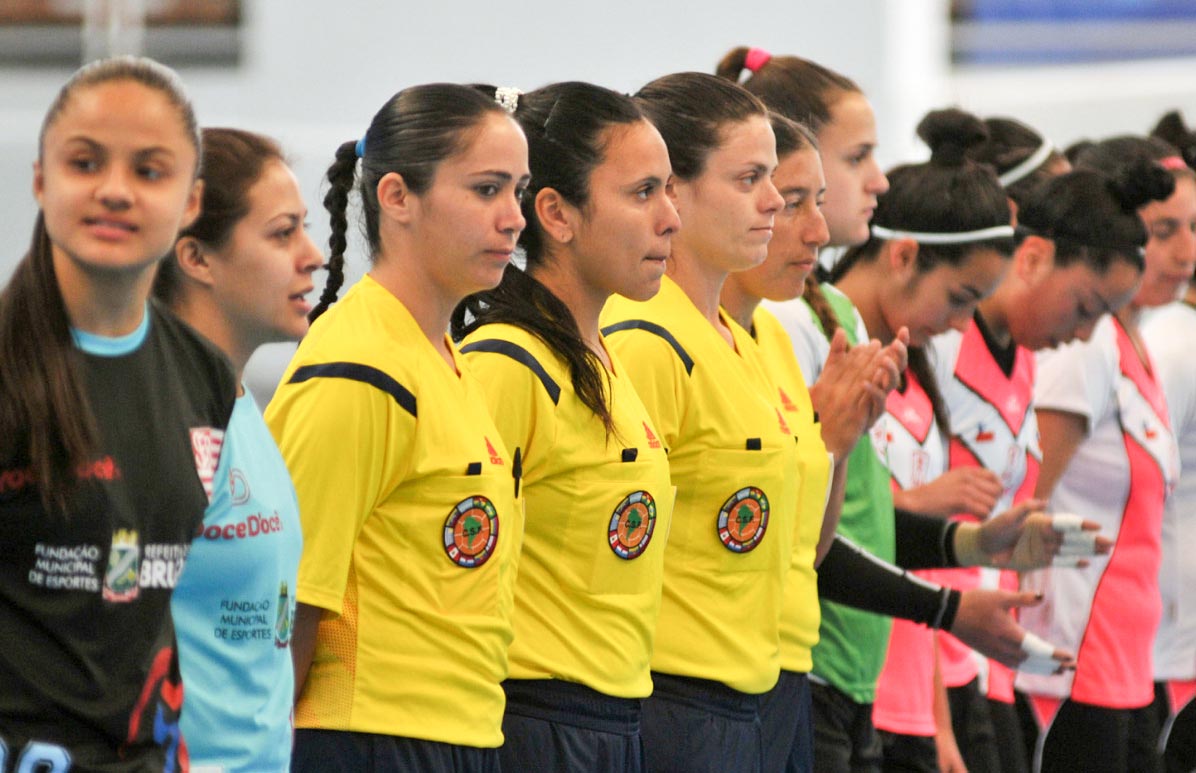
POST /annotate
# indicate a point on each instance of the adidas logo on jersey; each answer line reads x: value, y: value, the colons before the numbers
x: 653, y: 442
x: 495, y: 459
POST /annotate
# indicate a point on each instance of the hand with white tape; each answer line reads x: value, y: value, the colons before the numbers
x: 984, y: 622
x: 1024, y: 538
x: 1042, y: 657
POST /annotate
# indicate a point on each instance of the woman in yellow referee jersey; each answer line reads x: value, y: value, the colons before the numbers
x: 731, y: 451
x: 595, y: 477
x: 408, y: 498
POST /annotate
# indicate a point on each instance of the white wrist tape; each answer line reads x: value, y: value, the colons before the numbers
x: 1040, y: 656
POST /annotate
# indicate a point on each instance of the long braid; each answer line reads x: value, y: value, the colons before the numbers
x: 340, y: 175
x: 812, y: 294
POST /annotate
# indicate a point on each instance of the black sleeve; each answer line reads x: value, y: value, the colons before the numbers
x: 925, y: 541
x: 850, y: 575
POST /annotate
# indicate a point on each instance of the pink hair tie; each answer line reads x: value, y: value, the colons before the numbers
x: 756, y: 58
x: 1173, y: 163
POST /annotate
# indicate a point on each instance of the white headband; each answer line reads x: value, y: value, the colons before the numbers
x: 1036, y: 159
x: 963, y: 237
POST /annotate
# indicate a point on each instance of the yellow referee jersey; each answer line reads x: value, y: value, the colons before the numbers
x: 734, y: 464
x: 597, y: 514
x: 411, y: 528
x: 800, y: 615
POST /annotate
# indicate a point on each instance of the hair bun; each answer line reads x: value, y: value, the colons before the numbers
x: 1137, y: 184
x: 950, y: 134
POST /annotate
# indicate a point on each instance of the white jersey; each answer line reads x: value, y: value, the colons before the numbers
x: 1169, y: 332
x: 992, y: 426
x: 1119, y: 477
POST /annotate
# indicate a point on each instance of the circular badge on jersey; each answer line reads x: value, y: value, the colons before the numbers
x: 743, y: 519
x: 471, y: 532
x: 632, y: 524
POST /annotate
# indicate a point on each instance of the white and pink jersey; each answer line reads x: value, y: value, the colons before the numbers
x: 1169, y: 332
x: 910, y: 439
x: 1119, y: 477
x: 992, y: 426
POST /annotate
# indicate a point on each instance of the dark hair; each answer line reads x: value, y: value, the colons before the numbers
x: 791, y: 135
x: 1073, y: 151
x: 805, y: 92
x: 1113, y: 155
x: 45, y: 416
x: 1092, y: 217
x: 568, y: 127
x: 947, y: 194
x: 415, y: 130
x: 1009, y: 144
x: 233, y: 162
x: 1172, y: 130
x: 691, y: 109
x: 794, y: 87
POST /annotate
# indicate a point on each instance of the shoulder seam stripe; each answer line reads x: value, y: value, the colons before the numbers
x: 655, y: 329
x: 520, y: 355
x: 357, y: 372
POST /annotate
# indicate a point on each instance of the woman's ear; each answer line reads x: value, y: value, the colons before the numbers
x: 193, y: 261
x: 1034, y: 259
x: 395, y: 199
x: 556, y: 216
x: 902, y: 255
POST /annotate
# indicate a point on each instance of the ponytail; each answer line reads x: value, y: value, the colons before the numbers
x: 568, y: 128
x: 919, y: 365
x: 816, y: 299
x: 523, y: 302
x: 340, y: 175
x: 46, y: 420
x: 410, y: 135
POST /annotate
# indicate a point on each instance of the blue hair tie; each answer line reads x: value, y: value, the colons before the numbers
x: 360, y: 149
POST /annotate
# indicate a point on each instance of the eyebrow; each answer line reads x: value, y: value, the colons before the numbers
x: 649, y: 180
x: 139, y: 154
x: 802, y: 190
x: 291, y: 218
x: 501, y: 175
x: 973, y: 291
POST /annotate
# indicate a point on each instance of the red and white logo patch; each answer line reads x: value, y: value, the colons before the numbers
x: 206, y: 443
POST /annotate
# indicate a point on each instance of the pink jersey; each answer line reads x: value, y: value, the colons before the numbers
x: 992, y: 426
x: 1168, y: 333
x: 1119, y: 477
x: 916, y: 453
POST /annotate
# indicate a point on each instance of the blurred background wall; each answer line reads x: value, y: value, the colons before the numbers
x: 312, y: 73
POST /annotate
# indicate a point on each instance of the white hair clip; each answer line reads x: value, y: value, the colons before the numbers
x: 508, y: 97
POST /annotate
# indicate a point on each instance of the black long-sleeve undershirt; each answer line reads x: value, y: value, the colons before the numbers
x: 851, y: 575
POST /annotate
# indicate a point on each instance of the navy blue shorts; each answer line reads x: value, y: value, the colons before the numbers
x: 336, y: 751
x: 787, y: 721
x: 699, y: 726
x: 551, y: 725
